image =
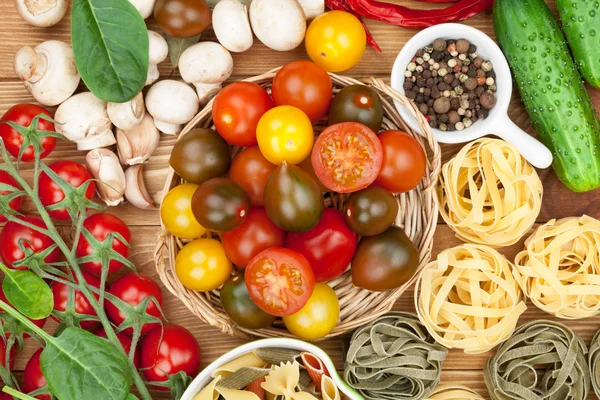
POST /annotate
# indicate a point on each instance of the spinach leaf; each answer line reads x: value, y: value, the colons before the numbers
x: 28, y: 293
x: 79, y: 365
x: 110, y: 44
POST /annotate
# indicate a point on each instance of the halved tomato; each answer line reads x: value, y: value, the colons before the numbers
x: 347, y: 157
x: 280, y: 281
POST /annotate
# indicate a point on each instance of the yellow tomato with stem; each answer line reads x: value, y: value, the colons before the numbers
x: 176, y: 212
x: 202, y: 265
x: 285, y: 133
x: 335, y: 41
x: 318, y: 317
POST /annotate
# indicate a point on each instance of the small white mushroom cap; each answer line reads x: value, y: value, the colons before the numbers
x: 206, y: 65
x: 127, y: 115
x: 145, y: 7
x: 159, y: 50
x: 279, y: 24
x: 84, y: 120
x: 231, y: 25
x: 312, y: 8
x: 171, y: 104
x: 48, y: 71
x: 42, y: 13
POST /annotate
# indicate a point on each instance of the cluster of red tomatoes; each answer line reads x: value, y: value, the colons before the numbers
x: 268, y: 204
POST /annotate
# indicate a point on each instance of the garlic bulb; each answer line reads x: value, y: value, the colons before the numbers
x: 135, y: 190
x: 104, y: 165
x: 136, y: 145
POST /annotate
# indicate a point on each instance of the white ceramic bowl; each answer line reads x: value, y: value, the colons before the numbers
x: 205, y: 376
x: 497, y: 123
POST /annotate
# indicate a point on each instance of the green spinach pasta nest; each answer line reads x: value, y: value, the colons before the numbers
x: 394, y: 358
x: 594, y: 360
x: 542, y: 360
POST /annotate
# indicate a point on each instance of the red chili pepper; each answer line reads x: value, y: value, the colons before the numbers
x: 342, y: 5
x: 406, y: 17
x: 438, y: 1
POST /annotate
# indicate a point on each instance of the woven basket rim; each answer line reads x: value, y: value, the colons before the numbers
x: 418, y: 214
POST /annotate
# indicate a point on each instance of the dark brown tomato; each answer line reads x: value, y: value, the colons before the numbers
x: 357, y: 103
x: 200, y: 155
x: 250, y: 169
x: 371, y: 211
x: 220, y: 204
x: 385, y: 261
x: 293, y: 199
x: 240, y: 307
x: 182, y: 18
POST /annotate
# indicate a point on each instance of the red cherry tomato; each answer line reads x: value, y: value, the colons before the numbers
x: 82, y: 305
x: 15, y: 203
x: 100, y: 226
x: 236, y: 111
x: 255, y: 234
x: 13, y: 233
x: 33, y: 378
x: 38, y: 322
x: 50, y: 193
x: 133, y: 289
x: 280, y: 281
x: 347, y: 157
x: 404, y: 162
x: 177, y: 351
x: 126, y: 342
x: 328, y: 247
x: 305, y: 85
x: 22, y: 114
x: 250, y: 169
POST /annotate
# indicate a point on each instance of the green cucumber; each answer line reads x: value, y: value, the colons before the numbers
x: 552, y: 90
x: 581, y: 24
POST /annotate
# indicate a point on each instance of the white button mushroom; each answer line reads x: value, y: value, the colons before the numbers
x: 172, y: 104
x: 48, y: 71
x: 231, y: 25
x: 312, y: 8
x: 42, y: 13
x: 127, y: 115
x: 279, y: 24
x: 145, y: 7
x: 206, y: 65
x: 84, y: 120
x: 159, y: 50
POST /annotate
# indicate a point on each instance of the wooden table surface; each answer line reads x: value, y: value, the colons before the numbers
x: 458, y: 368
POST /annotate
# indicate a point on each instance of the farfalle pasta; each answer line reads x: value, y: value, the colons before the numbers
x: 559, y: 269
x: 468, y: 298
x: 489, y: 194
x: 454, y: 392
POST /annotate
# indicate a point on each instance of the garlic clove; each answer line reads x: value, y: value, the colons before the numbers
x: 135, y: 190
x: 104, y: 166
x: 136, y: 145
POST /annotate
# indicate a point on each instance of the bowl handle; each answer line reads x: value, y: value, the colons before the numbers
x: 529, y: 147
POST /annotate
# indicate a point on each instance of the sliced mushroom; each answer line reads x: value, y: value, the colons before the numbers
x: 172, y: 104
x: 159, y: 50
x: 206, y: 65
x: 42, y: 13
x: 127, y: 115
x: 231, y: 25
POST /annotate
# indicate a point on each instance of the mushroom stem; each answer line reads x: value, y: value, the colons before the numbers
x: 206, y: 90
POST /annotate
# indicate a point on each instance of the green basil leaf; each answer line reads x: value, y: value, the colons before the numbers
x: 28, y: 293
x: 79, y: 365
x: 178, y: 45
x: 110, y: 44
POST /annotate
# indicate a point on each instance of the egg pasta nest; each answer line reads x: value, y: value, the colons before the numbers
x: 454, y: 392
x: 468, y: 298
x: 489, y: 194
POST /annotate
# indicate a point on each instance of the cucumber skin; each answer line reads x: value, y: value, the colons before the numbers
x: 581, y: 24
x: 552, y: 90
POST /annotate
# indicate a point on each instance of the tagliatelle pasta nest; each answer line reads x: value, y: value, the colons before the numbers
x: 489, y: 194
x: 559, y: 269
x: 468, y: 298
x: 454, y: 392
x: 542, y: 360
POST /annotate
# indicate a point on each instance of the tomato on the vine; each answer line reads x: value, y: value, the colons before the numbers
x: 100, y: 226
x: 126, y: 343
x: 168, y: 350
x: 50, y: 193
x: 255, y: 234
x: 13, y: 233
x: 176, y: 212
x: 202, y: 265
x: 404, y: 162
x: 328, y: 247
x: 250, y: 169
x: 239, y: 305
x: 22, y: 114
x: 319, y: 315
x: 82, y: 304
x: 304, y: 85
x: 11, y: 356
x: 236, y: 111
x: 33, y: 378
x: 279, y: 281
x: 347, y: 157
x: 15, y: 203
x: 133, y: 289
x: 182, y: 18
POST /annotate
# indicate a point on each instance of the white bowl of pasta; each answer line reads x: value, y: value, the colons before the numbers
x: 282, y: 367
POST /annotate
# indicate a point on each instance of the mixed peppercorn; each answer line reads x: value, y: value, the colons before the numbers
x: 451, y: 84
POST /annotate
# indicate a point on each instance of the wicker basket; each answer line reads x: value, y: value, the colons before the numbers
x: 418, y: 213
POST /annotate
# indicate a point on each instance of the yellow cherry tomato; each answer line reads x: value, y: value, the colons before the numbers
x: 335, y: 41
x: 285, y: 133
x: 176, y: 212
x: 202, y: 265
x: 318, y: 317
